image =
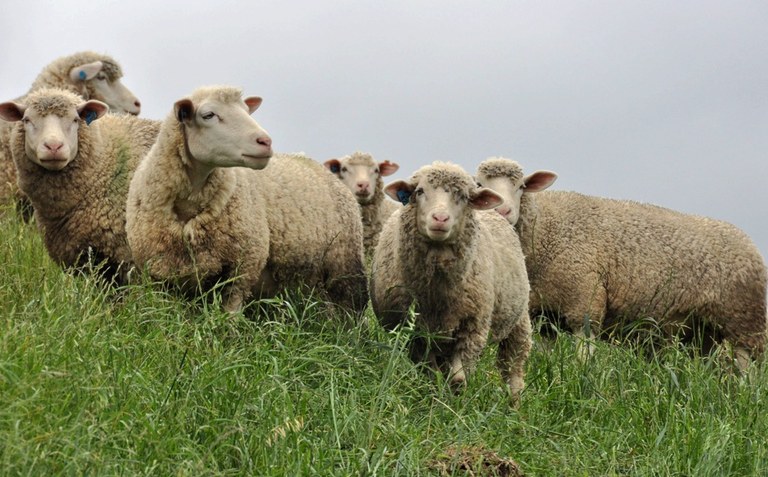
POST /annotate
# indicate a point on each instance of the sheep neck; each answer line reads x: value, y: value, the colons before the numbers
x: 197, y: 172
x: 428, y: 263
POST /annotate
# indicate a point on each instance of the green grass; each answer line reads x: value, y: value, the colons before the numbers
x: 140, y: 382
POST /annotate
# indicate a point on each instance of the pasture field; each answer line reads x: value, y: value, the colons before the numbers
x: 140, y: 382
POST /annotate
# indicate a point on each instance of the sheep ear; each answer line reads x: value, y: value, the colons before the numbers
x: 86, y: 71
x: 184, y: 110
x: 484, y: 199
x: 387, y: 168
x: 91, y: 110
x: 539, y: 180
x: 253, y: 103
x: 11, y: 111
x: 400, y: 191
x: 333, y: 165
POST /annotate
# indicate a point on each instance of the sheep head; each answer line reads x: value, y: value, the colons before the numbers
x: 101, y: 80
x: 361, y: 174
x: 443, y: 195
x: 220, y: 131
x: 51, y: 120
x: 505, y: 176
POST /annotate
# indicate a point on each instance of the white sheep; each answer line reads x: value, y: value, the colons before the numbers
x: 363, y: 176
x: 92, y: 76
x: 606, y: 263
x: 194, y: 218
x: 74, y: 164
x: 462, y: 268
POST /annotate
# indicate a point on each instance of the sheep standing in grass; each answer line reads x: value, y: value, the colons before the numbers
x: 463, y: 269
x: 194, y: 218
x: 89, y: 74
x: 607, y: 263
x: 363, y: 176
x: 74, y: 164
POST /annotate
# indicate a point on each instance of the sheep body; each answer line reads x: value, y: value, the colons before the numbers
x: 363, y: 176
x: 615, y: 261
x: 80, y: 209
x: 469, y: 290
x: 288, y: 224
x: 62, y: 73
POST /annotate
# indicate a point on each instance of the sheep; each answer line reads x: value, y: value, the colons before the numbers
x: 195, y: 218
x: 363, y: 176
x: 92, y: 76
x: 598, y: 264
x: 463, y: 269
x: 74, y: 164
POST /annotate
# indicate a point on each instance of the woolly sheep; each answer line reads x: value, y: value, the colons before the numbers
x: 615, y: 260
x: 194, y: 218
x: 92, y: 76
x: 74, y: 164
x: 363, y: 176
x: 463, y: 269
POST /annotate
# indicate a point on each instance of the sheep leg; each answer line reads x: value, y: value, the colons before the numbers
x: 513, y: 354
x: 470, y: 342
x: 585, y: 319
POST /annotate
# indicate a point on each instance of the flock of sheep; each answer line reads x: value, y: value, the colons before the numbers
x: 200, y: 198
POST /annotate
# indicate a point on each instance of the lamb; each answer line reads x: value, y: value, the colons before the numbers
x: 363, y: 176
x: 195, y: 218
x: 74, y: 164
x: 464, y: 270
x: 92, y: 76
x: 605, y: 263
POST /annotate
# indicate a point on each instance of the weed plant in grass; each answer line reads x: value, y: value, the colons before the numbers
x: 137, y: 381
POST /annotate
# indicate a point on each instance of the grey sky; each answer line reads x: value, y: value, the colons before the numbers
x: 656, y: 101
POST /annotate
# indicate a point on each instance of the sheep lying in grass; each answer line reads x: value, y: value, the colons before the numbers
x: 362, y: 175
x: 606, y: 263
x: 89, y: 74
x: 463, y: 269
x: 74, y: 164
x: 194, y: 218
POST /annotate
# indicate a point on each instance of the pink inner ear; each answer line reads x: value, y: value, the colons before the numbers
x: 332, y: 165
x: 539, y: 181
x: 11, y: 111
x: 387, y: 168
x: 253, y: 103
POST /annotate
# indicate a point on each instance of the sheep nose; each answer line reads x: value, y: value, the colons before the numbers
x: 264, y: 141
x: 504, y: 211
x: 137, y: 103
x: 363, y: 186
x: 53, y: 146
x: 441, y: 217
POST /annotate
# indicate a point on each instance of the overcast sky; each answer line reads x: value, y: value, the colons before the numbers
x: 656, y: 101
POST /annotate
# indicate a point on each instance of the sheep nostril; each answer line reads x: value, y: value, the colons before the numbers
x: 264, y: 141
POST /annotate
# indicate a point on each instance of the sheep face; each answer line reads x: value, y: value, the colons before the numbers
x: 441, y: 209
x: 221, y: 133
x: 51, y: 123
x: 360, y: 173
x: 511, y: 185
x: 103, y: 84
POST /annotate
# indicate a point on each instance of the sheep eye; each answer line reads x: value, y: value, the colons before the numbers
x: 343, y: 169
x: 207, y: 116
x: 101, y: 76
x: 376, y: 171
x: 419, y: 191
x: 479, y: 185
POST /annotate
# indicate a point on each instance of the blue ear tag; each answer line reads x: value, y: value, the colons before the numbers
x: 82, y: 75
x: 335, y: 168
x: 90, y: 117
x: 404, y: 196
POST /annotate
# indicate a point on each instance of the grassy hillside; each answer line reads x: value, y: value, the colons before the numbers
x: 139, y: 382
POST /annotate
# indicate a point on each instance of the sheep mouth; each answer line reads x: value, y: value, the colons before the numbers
x: 54, y: 163
x: 255, y: 162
